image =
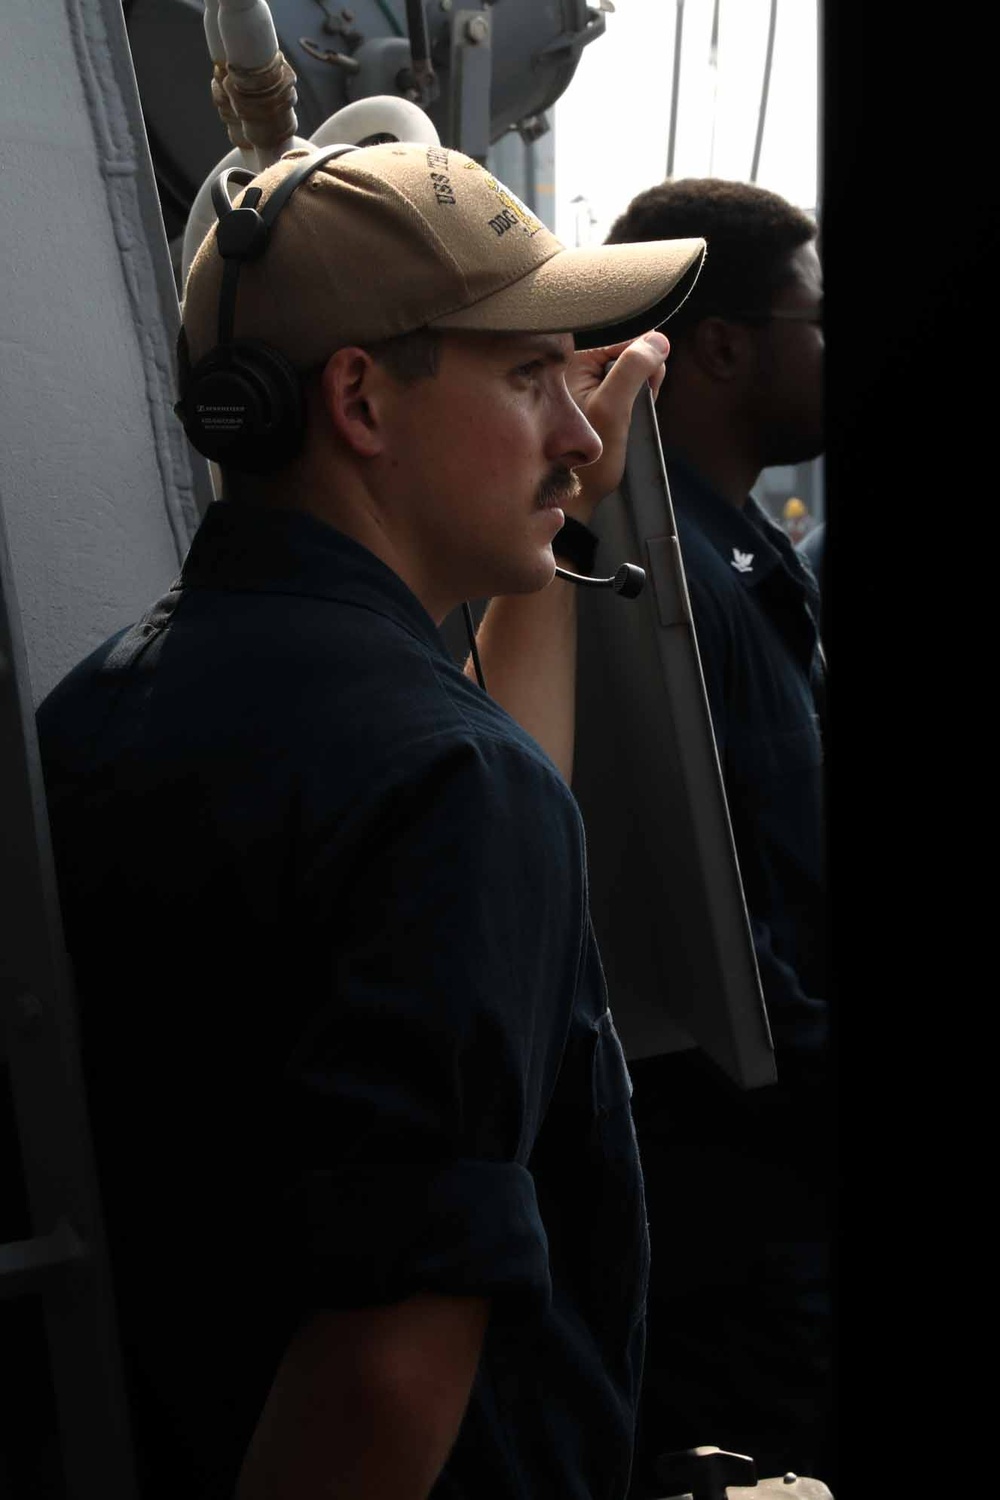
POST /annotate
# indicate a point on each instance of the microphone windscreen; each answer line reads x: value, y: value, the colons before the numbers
x: 629, y: 581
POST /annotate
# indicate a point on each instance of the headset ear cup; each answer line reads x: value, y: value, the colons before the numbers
x: 243, y: 406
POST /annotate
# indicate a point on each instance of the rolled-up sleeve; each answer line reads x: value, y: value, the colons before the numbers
x: 420, y: 1075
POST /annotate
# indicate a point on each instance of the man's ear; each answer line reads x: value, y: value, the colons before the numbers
x: 352, y: 387
x: 721, y: 348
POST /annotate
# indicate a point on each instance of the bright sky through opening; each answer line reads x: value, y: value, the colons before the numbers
x: 612, y: 124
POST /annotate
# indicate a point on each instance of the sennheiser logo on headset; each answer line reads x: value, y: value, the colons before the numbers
x: 219, y: 417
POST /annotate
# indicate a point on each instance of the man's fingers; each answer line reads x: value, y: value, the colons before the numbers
x: 612, y: 351
x: 639, y: 361
x: 608, y: 405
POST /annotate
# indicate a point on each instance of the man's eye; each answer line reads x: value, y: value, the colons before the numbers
x: 530, y: 370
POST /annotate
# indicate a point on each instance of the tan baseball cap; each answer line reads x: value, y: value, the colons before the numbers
x: 391, y: 238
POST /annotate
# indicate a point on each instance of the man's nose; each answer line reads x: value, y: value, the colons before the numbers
x: 574, y: 442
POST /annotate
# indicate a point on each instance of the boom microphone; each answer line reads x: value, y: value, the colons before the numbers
x: 628, y: 581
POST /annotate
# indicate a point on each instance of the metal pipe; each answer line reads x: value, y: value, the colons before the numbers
x: 221, y: 100
x: 769, y: 54
x: 247, y: 32
x: 713, y: 63
x: 820, y: 108
x: 420, y: 48
x: 675, y: 87
x: 530, y: 176
x: 259, y: 81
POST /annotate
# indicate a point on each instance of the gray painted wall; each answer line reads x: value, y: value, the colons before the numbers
x: 100, y: 491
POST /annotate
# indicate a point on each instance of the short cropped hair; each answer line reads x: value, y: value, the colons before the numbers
x: 750, y: 234
x: 408, y: 357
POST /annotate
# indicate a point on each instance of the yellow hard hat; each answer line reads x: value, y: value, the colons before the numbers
x: 794, y: 508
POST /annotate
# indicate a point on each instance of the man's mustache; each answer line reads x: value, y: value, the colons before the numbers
x: 560, y: 487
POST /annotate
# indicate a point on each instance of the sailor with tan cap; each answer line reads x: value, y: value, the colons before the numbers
x: 374, y: 1204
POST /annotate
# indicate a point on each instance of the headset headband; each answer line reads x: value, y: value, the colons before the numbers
x: 242, y: 233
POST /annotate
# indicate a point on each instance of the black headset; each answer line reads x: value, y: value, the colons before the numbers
x: 243, y: 404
